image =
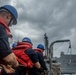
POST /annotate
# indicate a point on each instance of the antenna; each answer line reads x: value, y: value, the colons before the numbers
x: 46, y: 44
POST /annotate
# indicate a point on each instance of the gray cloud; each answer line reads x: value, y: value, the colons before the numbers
x: 57, y: 18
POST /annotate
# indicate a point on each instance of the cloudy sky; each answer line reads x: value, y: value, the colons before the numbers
x: 57, y: 18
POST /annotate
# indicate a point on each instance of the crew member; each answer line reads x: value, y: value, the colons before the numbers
x: 8, y: 17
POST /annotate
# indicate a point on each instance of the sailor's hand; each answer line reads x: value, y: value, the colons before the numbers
x: 41, y: 69
x: 46, y: 71
x: 8, y: 68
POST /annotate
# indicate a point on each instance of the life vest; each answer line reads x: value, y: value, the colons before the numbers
x: 38, y: 50
x: 5, y: 26
x: 21, y: 56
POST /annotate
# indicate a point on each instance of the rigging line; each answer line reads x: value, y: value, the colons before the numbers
x: 58, y: 47
x: 73, y: 47
x: 68, y: 50
x: 70, y: 55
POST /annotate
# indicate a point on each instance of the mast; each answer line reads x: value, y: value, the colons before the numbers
x: 46, y: 44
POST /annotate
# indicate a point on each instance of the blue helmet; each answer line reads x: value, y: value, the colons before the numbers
x: 40, y: 46
x: 26, y: 39
x: 14, y: 45
x: 11, y: 10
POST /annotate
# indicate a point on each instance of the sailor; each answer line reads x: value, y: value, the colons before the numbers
x: 39, y: 50
x: 8, y: 17
x: 26, y: 56
x: 14, y: 44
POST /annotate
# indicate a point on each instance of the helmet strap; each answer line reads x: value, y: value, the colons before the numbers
x: 10, y: 21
